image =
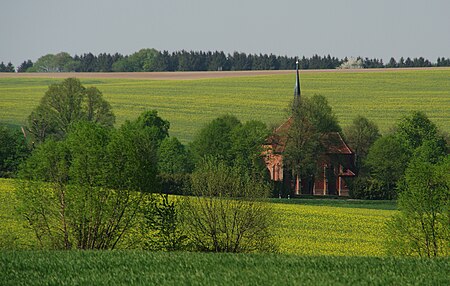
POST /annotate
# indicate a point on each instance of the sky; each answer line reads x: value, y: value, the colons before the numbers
x: 30, y: 29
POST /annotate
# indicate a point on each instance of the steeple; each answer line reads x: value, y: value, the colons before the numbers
x: 297, y: 85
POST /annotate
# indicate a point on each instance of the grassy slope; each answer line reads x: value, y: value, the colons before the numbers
x: 382, y: 96
x: 147, y: 268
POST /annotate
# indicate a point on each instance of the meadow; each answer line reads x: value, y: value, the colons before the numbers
x: 382, y: 96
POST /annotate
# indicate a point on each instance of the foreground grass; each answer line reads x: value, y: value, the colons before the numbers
x: 188, y: 105
x: 147, y: 268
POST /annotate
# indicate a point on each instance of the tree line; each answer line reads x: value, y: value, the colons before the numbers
x: 147, y: 60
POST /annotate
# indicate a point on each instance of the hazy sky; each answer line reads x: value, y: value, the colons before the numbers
x: 373, y: 28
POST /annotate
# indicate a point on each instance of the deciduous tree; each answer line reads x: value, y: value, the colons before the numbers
x: 311, y: 119
x: 422, y: 226
x: 13, y: 150
x: 361, y: 134
x: 66, y: 103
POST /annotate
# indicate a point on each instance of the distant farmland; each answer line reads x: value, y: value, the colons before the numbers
x: 189, y: 100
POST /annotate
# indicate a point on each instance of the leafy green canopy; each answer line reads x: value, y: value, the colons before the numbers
x: 361, y: 135
x: 311, y: 119
x: 173, y: 158
x: 87, y: 190
x: 422, y: 226
x: 64, y: 104
x: 13, y: 149
x: 227, y: 139
x: 389, y: 156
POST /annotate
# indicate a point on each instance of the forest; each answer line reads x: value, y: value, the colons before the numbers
x: 148, y: 60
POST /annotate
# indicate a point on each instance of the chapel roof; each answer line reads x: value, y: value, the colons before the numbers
x: 333, y: 141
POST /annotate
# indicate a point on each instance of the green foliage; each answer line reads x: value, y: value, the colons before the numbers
x: 133, y: 153
x: 85, y: 192
x: 422, y: 227
x: 247, y: 141
x: 141, y: 61
x: 154, y: 124
x: 311, y: 119
x: 215, y: 139
x: 389, y: 155
x: 181, y: 268
x: 360, y: 135
x: 227, y: 139
x: 7, y: 68
x: 162, y: 226
x: 387, y: 160
x: 175, y: 184
x: 173, y: 158
x: 64, y: 104
x: 318, y: 111
x: 225, y: 213
x: 13, y: 150
x: 61, y: 62
x: 416, y: 128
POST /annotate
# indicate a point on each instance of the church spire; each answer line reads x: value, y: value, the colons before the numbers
x: 297, y: 84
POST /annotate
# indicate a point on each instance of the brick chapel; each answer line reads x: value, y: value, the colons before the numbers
x: 335, y: 165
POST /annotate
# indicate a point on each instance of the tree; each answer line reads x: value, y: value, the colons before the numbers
x: 64, y: 104
x: 7, y: 68
x: 133, y: 151
x: 140, y: 61
x: 392, y: 63
x: 387, y: 160
x: 416, y: 128
x: 352, y: 63
x: 225, y: 213
x: 13, y: 150
x: 154, y: 124
x: 162, y: 226
x: 25, y: 66
x: 61, y: 62
x: 247, y: 141
x: 215, y: 139
x: 422, y: 226
x: 90, y: 189
x: 173, y: 157
x: 360, y: 137
x: 311, y: 119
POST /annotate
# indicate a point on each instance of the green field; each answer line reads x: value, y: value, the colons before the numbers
x: 154, y: 268
x: 189, y: 104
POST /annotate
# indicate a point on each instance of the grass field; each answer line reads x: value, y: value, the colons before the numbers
x: 150, y: 268
x: 189, y: 104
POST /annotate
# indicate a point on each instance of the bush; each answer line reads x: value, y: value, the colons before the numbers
x: 175, y: 184
x: 225, y: 213
x: 422, y: 226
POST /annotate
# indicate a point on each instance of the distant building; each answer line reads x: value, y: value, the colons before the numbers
x: 335, y: 164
